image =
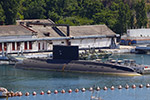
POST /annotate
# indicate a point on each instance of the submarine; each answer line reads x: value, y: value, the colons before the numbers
x: 66, y: 59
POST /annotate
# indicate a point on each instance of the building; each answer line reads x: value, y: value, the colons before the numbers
x: 136, y: 37
x: 34, y: 36
x: 91, y: 36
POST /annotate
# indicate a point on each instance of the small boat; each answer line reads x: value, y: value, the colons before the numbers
x: 95, y: 97
x: 3, y: 92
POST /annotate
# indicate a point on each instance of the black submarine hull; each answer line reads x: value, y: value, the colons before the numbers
x: 83, y: 66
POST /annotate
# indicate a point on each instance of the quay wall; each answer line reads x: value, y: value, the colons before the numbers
x: 122, y: 49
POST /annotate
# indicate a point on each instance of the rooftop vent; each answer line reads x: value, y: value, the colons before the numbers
x: 47, y: 34
x: 38, y: 21
x: 21, y: 23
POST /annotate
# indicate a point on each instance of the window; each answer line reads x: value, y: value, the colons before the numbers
x: 18, y: 45
x: 25, y: 46
x: 5, y: 46
x: 50, y: 42
x: 13, y: 46
x: 42, y: 46
x: 30, y: 45
x: 39, y: 46
x: 0, y: 46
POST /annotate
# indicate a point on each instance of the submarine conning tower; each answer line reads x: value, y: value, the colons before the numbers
x: 62, y: 52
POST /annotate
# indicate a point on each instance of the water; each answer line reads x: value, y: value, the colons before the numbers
x: 34, y: 80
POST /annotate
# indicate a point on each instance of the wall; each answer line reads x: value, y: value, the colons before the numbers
x: 91, y: 43
x: 48, y: 45
x: 138, y: 32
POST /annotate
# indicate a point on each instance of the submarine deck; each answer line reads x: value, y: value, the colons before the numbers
x: 82, y: 66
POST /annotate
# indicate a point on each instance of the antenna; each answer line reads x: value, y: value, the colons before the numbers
x: 142, y: 59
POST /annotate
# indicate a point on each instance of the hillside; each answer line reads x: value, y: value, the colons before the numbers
x: 116, y: 14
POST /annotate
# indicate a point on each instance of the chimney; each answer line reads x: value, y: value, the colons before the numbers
x: 68, y: 30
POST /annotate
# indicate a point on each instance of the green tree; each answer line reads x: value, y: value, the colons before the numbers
x: 107, y: 17
x: 53, y: 16
x: 21, y: 9
x: 11, y: 8
x: 90, y: 8
x: 115, y: 14
x: 75, y: 20
x: 141, y: 14
x: 51, y: 6
x: 2, y: 16
x: 34, y: 9
x: 70, y: 8
x: 123, y: 18
x: 132, y: 23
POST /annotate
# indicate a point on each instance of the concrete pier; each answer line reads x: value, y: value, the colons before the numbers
x: 122, y: 49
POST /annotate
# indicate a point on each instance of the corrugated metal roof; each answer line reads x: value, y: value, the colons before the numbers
x: 86, y: 30
x: 83, y: 30
x: 76, y: 32
x: 41, y: 30
x: 11, y: 30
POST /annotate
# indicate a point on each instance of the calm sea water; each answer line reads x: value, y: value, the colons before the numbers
x: 34, y: 80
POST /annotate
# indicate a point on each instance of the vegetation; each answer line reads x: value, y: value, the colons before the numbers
x: 116, y: 14
x: 141, y: 14
x: 2, y: 15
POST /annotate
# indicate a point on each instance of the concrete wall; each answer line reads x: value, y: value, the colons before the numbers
x: 92, y: 43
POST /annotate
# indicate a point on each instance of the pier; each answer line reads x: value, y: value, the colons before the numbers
x: 143, y: 50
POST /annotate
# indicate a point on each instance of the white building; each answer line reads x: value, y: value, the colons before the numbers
x: 90, y: 36
x: 40, y: 37
x: 136, y: 37
x: 138, y: 32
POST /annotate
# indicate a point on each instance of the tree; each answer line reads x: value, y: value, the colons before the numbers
x: 141, y: 14
x: 11, y: 8
x: 132, y: 23
x: 2, y: 16
x: 71, y: 8
x: 51, y: 6
x: 54, y: 16
x: 107, y: 17
x: 34, y: 9
x: 123, y: 18
x: 21, y: 9
x: 116, y: 14
x: 90, y: 8
x: 76, y: 20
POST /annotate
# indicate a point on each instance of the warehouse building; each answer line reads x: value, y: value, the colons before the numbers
x: 35, y: 36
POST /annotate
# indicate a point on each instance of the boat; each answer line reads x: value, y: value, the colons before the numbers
x: 65, y: 59
x: 95, y: 97
x: 3, y: 92
x: 4, y: 60
x: 93, y: 54
x: 7, y: 60
x: 145, y: 49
